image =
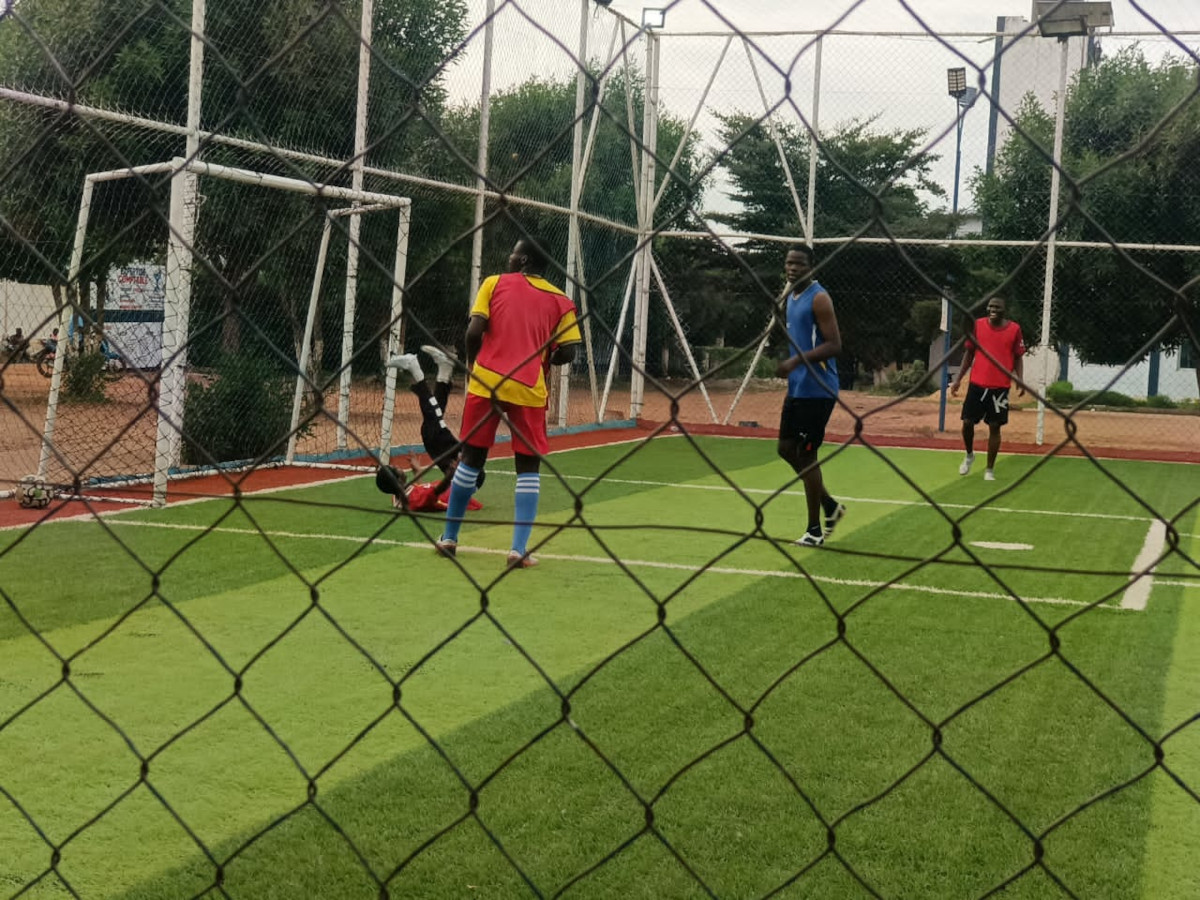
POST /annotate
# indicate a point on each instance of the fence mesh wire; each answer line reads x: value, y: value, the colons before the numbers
x: 816, y: 132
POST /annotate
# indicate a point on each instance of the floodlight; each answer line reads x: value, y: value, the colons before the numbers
x: 1071, y: 18
x: 654, y: 18
x: 956, y: 82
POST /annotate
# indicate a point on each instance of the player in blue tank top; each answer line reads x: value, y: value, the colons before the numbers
x: 811, y: 370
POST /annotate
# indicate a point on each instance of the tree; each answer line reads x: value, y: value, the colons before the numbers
x: 530, y: 149
x: 868, y: 182
x: 281, y: 72
x: 1109, y: 304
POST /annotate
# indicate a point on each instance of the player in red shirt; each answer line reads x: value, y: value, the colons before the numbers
x: 993, y: 354
x: 441, y: 444
x: 423, y: 496
x: 520, y: 326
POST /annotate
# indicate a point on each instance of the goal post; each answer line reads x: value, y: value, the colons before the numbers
x: 394, y: 333
x: 169, y: 385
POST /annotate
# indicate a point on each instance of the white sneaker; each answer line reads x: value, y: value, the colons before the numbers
x: 832, y: 520
x: 989, y: 475
x: 444, y: 361
x: 967, y: 462
x: 407, y: 362
x: 808, y: 539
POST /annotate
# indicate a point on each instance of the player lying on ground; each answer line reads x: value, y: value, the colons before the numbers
x: 441, y: 444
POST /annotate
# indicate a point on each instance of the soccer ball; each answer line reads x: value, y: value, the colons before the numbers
x: 32, y: 493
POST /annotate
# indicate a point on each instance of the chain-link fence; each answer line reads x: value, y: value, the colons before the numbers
x: 220, y: 220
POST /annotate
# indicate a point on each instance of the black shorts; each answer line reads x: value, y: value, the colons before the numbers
x: 987, y: 404
x: 804, y: 419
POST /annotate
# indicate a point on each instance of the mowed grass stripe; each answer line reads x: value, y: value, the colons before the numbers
x: 1171, y: 867
x: 1043, y: 745
x: 399, y: 575
x: 237, y: 624
x: 798, y: 573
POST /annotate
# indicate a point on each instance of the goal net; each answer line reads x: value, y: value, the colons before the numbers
x: 232, y: 343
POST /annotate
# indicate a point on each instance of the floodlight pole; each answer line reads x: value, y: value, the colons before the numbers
x: 1060, y: 106
x: 641, y: 316
x: 964, y: 97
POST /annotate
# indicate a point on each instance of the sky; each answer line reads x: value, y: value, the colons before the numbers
x: 899, y: 81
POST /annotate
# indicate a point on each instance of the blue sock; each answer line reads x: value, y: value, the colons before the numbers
x: 461, y: 490
x: 529, y: 487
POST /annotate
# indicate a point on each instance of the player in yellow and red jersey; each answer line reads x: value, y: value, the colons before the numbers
x: 520, y: 325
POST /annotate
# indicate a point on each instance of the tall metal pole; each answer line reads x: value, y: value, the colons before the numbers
x: 1060, y: 107
x: 481, y: 158
x: 366, y: 36
x: 948, y: 340
x: 573, y: 288
x: 641, y: 316
x: 813, y: 147
x: 195, y: 84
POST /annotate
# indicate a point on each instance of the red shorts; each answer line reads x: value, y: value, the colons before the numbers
x: 481, y: 417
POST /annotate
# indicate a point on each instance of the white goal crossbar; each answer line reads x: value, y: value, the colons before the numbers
x: 177, y: 301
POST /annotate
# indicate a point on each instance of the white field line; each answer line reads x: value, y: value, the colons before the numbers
x: 1000, y: 545
x: 631, y: 563
x: 88, y: 515
x: 876, y: 500
x: 1137, y: 595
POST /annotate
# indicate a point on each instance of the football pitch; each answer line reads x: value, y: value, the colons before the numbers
x: 963, y: 694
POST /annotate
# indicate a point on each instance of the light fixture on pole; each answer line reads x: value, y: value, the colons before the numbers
x: 654, y: 18
x: 964, y: 99
x: 1062, y: 20
x: 1071, y: 18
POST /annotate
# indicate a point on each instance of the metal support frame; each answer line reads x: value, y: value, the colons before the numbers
x: 177, y: 301
x: 964, y: 98
x: 1047, y: 348
x: 366, y: 32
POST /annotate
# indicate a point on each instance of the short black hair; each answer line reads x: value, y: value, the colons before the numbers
x: 802, y: 248
x: 535, y: 259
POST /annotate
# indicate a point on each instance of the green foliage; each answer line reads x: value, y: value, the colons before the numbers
x: 718, y: 356
x: 1061, y: 392
x: 242, y: 412
x: 924, y: 320
x: 912, y: 380
x: 869, y: 181
x: 1131, y: 157
x: 279, y: 72
x: 1161, y: 401
x: 531, y: 129
x: 1064, y: 394
x: 865, y: 177
x: 84, y: 377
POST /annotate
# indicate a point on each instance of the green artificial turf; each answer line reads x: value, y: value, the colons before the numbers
x: 294, y: 697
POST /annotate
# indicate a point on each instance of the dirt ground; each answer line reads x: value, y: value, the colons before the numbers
x: 118, y: 437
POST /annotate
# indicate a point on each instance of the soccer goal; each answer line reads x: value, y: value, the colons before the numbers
x: 240, y: 378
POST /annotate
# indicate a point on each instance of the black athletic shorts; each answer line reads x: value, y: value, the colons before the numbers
x: 804, y: 419
x: 441, y: 444
x: 987, y: 404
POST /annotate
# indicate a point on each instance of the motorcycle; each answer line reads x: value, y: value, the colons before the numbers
x: 15, y: 349
x: 44, y: 360
x: 114, y: 363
